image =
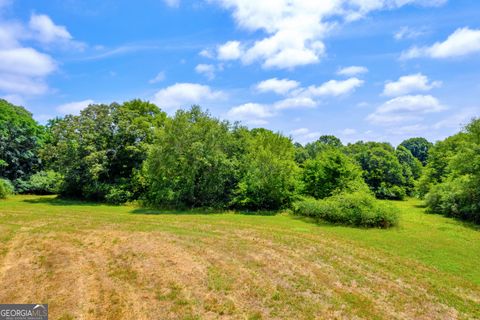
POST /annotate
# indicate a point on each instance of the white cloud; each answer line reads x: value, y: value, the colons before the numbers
x: 207, y: 70
x: 352, y: 71
x: 74, y: 107
x: 158, y: 78
x: 19, y: 84
x: 279, y: 86
x: 295, y: 103
x: 229, y: 51
x: 251, y: 113
x: 295, y: 30
x: 459, y: 119
x: 304, y: 135
x: 172, y: 3
x: 462, y: 42
x: 405, y: 108
x: 335, y: 87
x: 408, y: 130
x: 26, y: 61
x: 348, y: 132
x: 46, y: 31
x: 182, y: 95
x: 206, y: 54
x: 409, y: 84
x: 409, y: 33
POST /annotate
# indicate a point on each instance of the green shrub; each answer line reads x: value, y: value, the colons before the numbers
x: 118, y: 195
x: 458, y: 198
x: 6, y: 188
x: 43, y: 182
x: 356, y: 209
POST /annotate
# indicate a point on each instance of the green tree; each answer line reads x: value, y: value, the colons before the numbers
x: 382, y: 171
x: 193, y: 161
x: 411, y: 168
x: 322, y: 143
x: 419, y: 148
x: 269, y: 174
x: 457, y: 193
x: 100, y: 152
x: 20, y: 139
x: 331, y: 172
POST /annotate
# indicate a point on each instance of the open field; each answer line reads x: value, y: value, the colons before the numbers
x: 92, y: 261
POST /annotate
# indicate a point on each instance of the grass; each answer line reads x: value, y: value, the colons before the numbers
x: 94, y: 261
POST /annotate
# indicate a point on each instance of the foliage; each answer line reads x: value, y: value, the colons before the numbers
x: 42, y: 183
x: 331, y: 172
x: 356, y: 209
x: 268, y: 172
x: 193, y: 162
x: 457, y: 192
x: 102, y: 148
x: 382, y: 171
x: 6, y: 188
x: 419, y: 148
x: 411, y: 168
x: 20, y: 138
x: 323, y: 142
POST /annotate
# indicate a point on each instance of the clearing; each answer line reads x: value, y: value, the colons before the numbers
x: 92, y: 261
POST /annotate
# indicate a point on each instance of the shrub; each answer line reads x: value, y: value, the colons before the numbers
x: 6, y: 188
x: 356, y: 209
x: 118, y: 195
x: 43, y: 182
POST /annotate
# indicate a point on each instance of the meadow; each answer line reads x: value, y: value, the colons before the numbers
x: 95, y: 261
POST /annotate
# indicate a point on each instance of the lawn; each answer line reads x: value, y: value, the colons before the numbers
x: 91, y: 261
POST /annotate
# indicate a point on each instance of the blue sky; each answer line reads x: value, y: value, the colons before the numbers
x: 380, y: 70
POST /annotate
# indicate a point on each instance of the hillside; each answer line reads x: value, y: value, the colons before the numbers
x: 94, y: 261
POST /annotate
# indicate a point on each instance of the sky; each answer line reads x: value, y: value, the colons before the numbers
x: 381, y: 70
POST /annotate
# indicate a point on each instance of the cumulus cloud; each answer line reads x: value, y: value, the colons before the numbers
x: 352, y: 71
x: 405, y: 108
x: 295, y: 103
x: 279, y: 86
x: 207, y: 70
x: 336, y: 88
x: 295, y: 30
x: 462, y: 42
x: 229, y: 51
x: 251, y: 113
x: 182, y: 95
x: 409, y: 84
x: 74, y: 107
x: 23, y: 69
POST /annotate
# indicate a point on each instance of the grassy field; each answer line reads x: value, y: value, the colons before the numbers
x: 91, y: 261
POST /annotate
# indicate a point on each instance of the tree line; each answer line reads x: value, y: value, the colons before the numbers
x: 133, y: 151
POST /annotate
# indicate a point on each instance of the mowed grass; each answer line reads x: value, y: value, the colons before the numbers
x: 91, y: 261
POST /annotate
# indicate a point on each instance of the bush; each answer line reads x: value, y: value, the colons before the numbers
x: 458, y: 198
x: 6, y: 188
x: 356, y: 209
x: 118, y: 195
x: 43, y: 182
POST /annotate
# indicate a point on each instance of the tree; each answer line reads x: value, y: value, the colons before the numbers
x: 331, y: 172
x: 411, y: 168
x: 193, y: 162
x: 269, y: 174
x: 457, y: 192
x: 382, y: 171
x: 20, y: 139
x: 419, y: 148
x: 322, y: 143
x: 100, y: 152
